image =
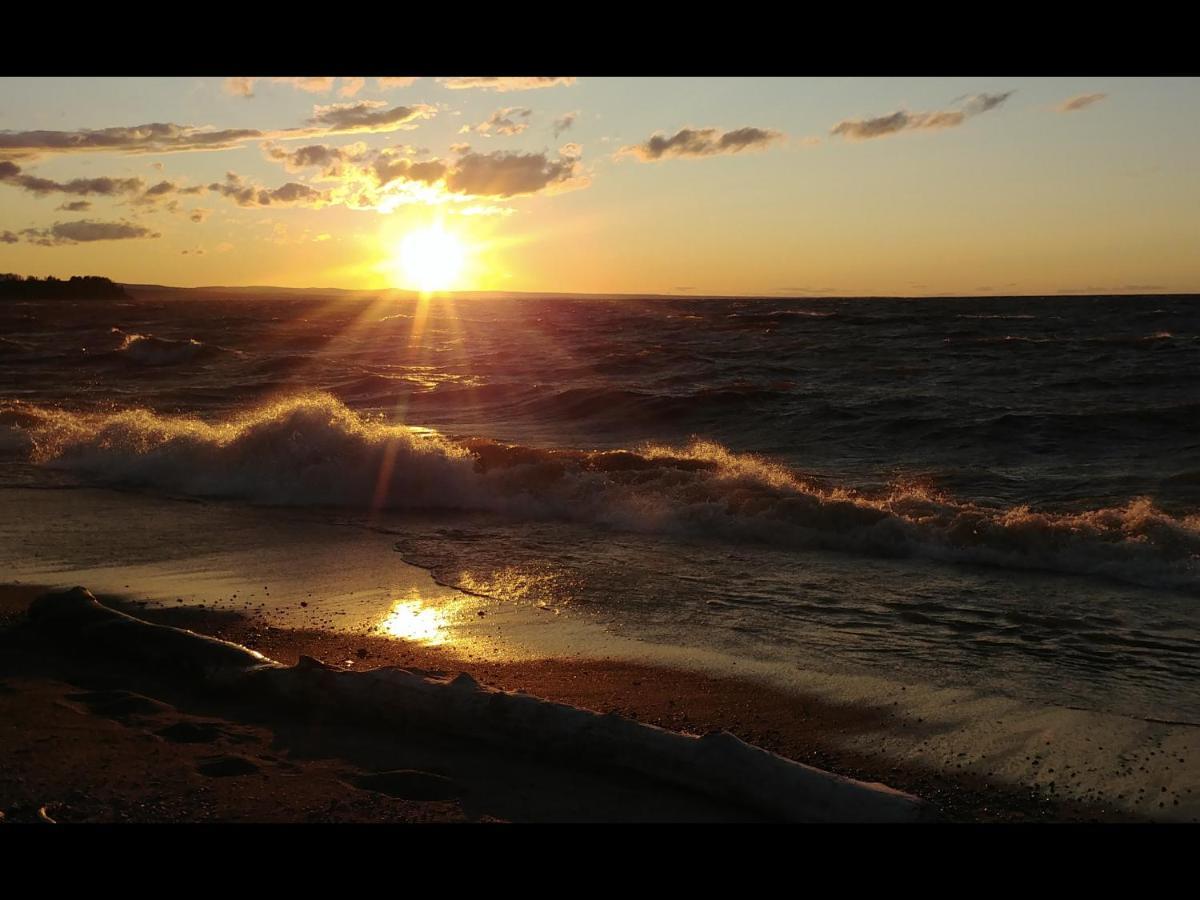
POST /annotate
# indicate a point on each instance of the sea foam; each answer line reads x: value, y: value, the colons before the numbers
x: 311, y: 450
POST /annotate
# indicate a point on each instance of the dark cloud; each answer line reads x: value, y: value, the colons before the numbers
x: 389, y: 167
x: 366, y: 116
x: 330, y: 160
x: 1081, y: 102
x: 156, y: 137
x: 981, y: 103
x: 10, y: 173
x: 506, y: 83
x: 199, y: 215
x: 85, y: 231
x: 696, y: 142
x: 312, y: 156
x: 8, y: 237
x: 903, y: 120
x: 160, y: 137
x: 245, y: 194
x: 562, y: 123
x: 76, y: 206
x: 502, y: 121
x: 503, y: 174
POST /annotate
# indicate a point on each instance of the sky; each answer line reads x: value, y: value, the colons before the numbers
x: 692, y: 186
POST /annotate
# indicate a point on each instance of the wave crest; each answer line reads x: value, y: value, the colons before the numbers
x: 313, y: 450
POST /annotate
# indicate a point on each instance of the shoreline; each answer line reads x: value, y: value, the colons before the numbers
x: 808, y: 729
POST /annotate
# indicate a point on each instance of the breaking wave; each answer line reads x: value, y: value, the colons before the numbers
x: 313, y: 450
x: 148, y: 350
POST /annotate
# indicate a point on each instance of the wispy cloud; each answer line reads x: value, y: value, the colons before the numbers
x: 86, y: 231
x: 562, y: 123
x: 367, y: 116
x: 312, y: 84
x: 502, y: 121
x: 395, y: 81
x: 903, y: 120
x: 245, y: 193
x: 699, y: 142
x: 239, y: 86
x: 11, y: 174
x: 506, y: 83
x: 1083, y: 101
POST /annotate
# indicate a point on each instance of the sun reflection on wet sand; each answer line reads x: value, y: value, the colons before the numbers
x: 413, y: 620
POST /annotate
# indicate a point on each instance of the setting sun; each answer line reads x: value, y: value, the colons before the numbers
x: 431, y: 259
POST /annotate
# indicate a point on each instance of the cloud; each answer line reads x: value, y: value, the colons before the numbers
x: 503, y: 174
x: 199, y: 215
x: 1083, y: 101
x: 309, y: 84
x: 502, y: 122
x: 10, y: 173
x: 76, y: 206
x: 389, y: 167
x: 351, y: 86
x: 903, y: 120
x: 696, y: 142
x: 330, y: 160
x: 8, y: 237
x: 395, y: 81
x: 85, y: 231
x: 239, y: 87
x: 372, y: 116
x: 244, y: 193
x: 505, y: 83
x: 156, y: 137
x: 366, y: 116
x: 562, y: 123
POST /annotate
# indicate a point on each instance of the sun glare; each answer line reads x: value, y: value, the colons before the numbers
x: 431, y: 259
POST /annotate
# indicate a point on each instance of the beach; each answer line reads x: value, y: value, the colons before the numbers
x: 970, y: 756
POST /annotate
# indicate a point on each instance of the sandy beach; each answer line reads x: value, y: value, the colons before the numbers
x: 285, y: 585
x: 131, y: 745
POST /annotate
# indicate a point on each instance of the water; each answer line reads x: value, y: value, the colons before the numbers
x: 992, y: 492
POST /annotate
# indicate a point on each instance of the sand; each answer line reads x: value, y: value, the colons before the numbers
x: 90, y: 740
x: 286, y: 584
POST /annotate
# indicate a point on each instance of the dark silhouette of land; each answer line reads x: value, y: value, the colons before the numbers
x: 77, y: 287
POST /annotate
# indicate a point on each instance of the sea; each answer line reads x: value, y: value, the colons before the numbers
x: 998, y: 492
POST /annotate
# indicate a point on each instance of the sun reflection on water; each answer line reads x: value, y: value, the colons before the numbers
x: 412, y: 620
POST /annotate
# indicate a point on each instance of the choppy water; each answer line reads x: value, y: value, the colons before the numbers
x: 1003, y: 492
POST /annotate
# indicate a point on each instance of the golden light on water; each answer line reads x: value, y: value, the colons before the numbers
x: 412, y: 620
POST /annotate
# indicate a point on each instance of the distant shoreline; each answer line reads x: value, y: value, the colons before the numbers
x: 231, y: 291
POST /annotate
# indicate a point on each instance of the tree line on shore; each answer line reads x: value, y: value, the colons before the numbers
x: 77, y: 287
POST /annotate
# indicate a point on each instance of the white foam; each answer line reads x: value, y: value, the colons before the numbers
x: 313, y: 450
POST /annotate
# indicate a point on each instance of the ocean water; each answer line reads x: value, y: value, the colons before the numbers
x: 1002, y: 493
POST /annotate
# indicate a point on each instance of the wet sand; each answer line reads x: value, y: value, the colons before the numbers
x: 129, y: 746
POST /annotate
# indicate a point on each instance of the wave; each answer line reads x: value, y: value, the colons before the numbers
x: 148, y: 350
x: 313, y: 450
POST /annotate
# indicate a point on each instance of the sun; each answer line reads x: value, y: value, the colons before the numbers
x: 431, y: 259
